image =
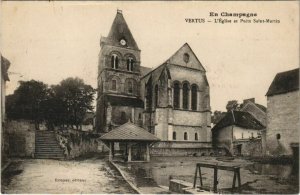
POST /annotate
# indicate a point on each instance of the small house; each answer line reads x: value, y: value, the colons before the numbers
x: 239, y: 132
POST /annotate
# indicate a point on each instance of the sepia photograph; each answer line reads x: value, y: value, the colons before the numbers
x: 149, y: 97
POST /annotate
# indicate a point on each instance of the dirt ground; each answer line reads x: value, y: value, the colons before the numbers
x: 54, y: 176
x: 255, y: 177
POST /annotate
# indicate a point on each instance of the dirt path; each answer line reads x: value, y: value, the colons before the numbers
x: 53, y: 176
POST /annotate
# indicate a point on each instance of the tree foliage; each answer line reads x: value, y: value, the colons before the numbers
x: 232, y: 105
x: 217, y: 116
x: 75, y: 99
x: 58, y: 105
x: 27, y: 100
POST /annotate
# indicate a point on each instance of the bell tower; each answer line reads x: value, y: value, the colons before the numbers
x: 118, y: 70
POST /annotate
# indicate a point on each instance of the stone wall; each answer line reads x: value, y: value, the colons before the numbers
x: 168, y: 121
x: 78, y: 143
x: 243, y: 133
x: 223, y: 138
x: 282, y: 123
x: 183, y: 148
x: 250, y: 147
x: 19, y: 138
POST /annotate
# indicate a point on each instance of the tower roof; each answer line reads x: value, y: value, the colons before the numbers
x: 284, y: 82
x: 120, y: 30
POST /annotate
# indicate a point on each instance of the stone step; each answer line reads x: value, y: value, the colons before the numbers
x: 45, y: 138
x: 49, y: 153
x: 46, y: 141
x: 46, y: 144
x: 49, y: 157
x: 48, y: 149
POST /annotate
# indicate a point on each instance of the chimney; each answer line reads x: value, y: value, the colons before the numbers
x: 249, y: 100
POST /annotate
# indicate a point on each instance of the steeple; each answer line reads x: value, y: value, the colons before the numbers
x: 120, y: 31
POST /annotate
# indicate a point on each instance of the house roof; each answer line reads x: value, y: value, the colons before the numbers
x: 5, y: 64
x: 124, y: 101
x: 263, y: 108
x: 129, y: 132
x: 284, y: 82
x: 238, y: 118
x: 120, y: 30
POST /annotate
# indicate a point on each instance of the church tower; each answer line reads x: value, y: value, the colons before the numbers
x: 118, y: 78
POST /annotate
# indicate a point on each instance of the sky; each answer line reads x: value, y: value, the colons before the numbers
x: 50, y: 41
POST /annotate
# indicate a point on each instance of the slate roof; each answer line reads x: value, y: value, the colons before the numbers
x: 5, y: 64
x: 284, y: 82
x: 129, y: 132
x: 144, y: 70
x: 263, y: 108
x: 124, y: 101
x: 120, y: 30
x: 238, y: 118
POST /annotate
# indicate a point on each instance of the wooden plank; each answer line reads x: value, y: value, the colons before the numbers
x: 200, y: 174
x: 239, y: 178
x: 195, y: 177
x: 215, y: 179
x: 221, y: 167
x: 234, y: 180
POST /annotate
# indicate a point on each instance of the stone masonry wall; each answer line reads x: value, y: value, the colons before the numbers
x: 282, y: 123
x: 183, y: 148
x: 251, y: 147
x: 19, y: 138
x: 77, y: 143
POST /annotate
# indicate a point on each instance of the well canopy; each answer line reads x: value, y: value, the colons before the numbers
x: 129, y: 132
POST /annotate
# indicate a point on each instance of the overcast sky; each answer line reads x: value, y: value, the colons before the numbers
x: 50, y: 41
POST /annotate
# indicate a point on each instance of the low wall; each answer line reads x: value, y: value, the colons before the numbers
x: 250, y: 147
x: 178, y: 186
x: 177, y: 148
x: 77, y: 143
x: 19, y: 138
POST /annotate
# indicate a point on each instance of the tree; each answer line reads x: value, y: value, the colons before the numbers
x: 58, y: 105
x: 26, y: 101
x: 217, y: 116
x: 76, y: 99
x: 232, y: 105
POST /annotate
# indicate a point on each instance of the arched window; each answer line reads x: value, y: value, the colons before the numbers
x: 130, y: 87
x: 114, y: 85
x: 176, y: 95
x: 185, y: 102
x: 185, y: 136
x: 278, y: 136
x: 156, y: 95
x: 130, y: 63
x: 194, y: 97
x: 123, y: 118
x: 196, y: 136
x: 148, y: 90
x: 174, y: 135
x: 114, y: 61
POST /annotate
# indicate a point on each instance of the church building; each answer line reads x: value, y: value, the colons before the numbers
x: 171, y: 101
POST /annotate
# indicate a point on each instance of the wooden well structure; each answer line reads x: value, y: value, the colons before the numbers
x: 134, y: 142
